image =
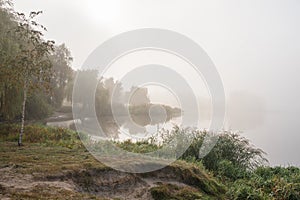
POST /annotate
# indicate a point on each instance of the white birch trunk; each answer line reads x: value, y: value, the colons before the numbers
x: 23, y: 116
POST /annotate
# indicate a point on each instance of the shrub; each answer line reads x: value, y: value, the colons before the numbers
x: 230, y: 147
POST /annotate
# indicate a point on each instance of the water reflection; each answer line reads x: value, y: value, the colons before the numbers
x: 139, y: 125
x: 134, y: 126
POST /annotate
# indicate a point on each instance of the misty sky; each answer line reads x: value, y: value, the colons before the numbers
x: 255, y: 45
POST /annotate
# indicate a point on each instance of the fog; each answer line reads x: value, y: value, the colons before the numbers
x: 255, y: 46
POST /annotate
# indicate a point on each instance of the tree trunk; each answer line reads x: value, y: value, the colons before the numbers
x: 23, y: 116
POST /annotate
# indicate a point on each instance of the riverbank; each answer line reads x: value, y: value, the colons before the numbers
x: 53, y: 164
x: 56, y: 166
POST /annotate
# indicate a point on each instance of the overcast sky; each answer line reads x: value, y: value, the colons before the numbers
x: 254, y: 44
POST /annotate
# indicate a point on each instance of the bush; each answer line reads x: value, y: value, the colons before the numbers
x: 230, y: 147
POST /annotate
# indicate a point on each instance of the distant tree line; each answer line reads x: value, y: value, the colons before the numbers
x: 110, y: 93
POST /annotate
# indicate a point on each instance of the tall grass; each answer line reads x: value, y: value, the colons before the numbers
x: 41, y: 134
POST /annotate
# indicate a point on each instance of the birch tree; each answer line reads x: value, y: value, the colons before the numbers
x: 32, y: 65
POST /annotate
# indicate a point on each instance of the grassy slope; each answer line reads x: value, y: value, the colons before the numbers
x: 53, y: 164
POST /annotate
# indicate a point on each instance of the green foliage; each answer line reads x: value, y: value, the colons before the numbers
x: 10, y: 94
x: 28, y: 62
x: 232, y: 152
x: 268, y: 183
x: 227, y: 170
x: 62, y: 74
x: 38, y: 107
x: 10, y: 106
x: 31, y: 66
x: 237, y: 149
x: 232, y: 158
x: 241, y: 191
